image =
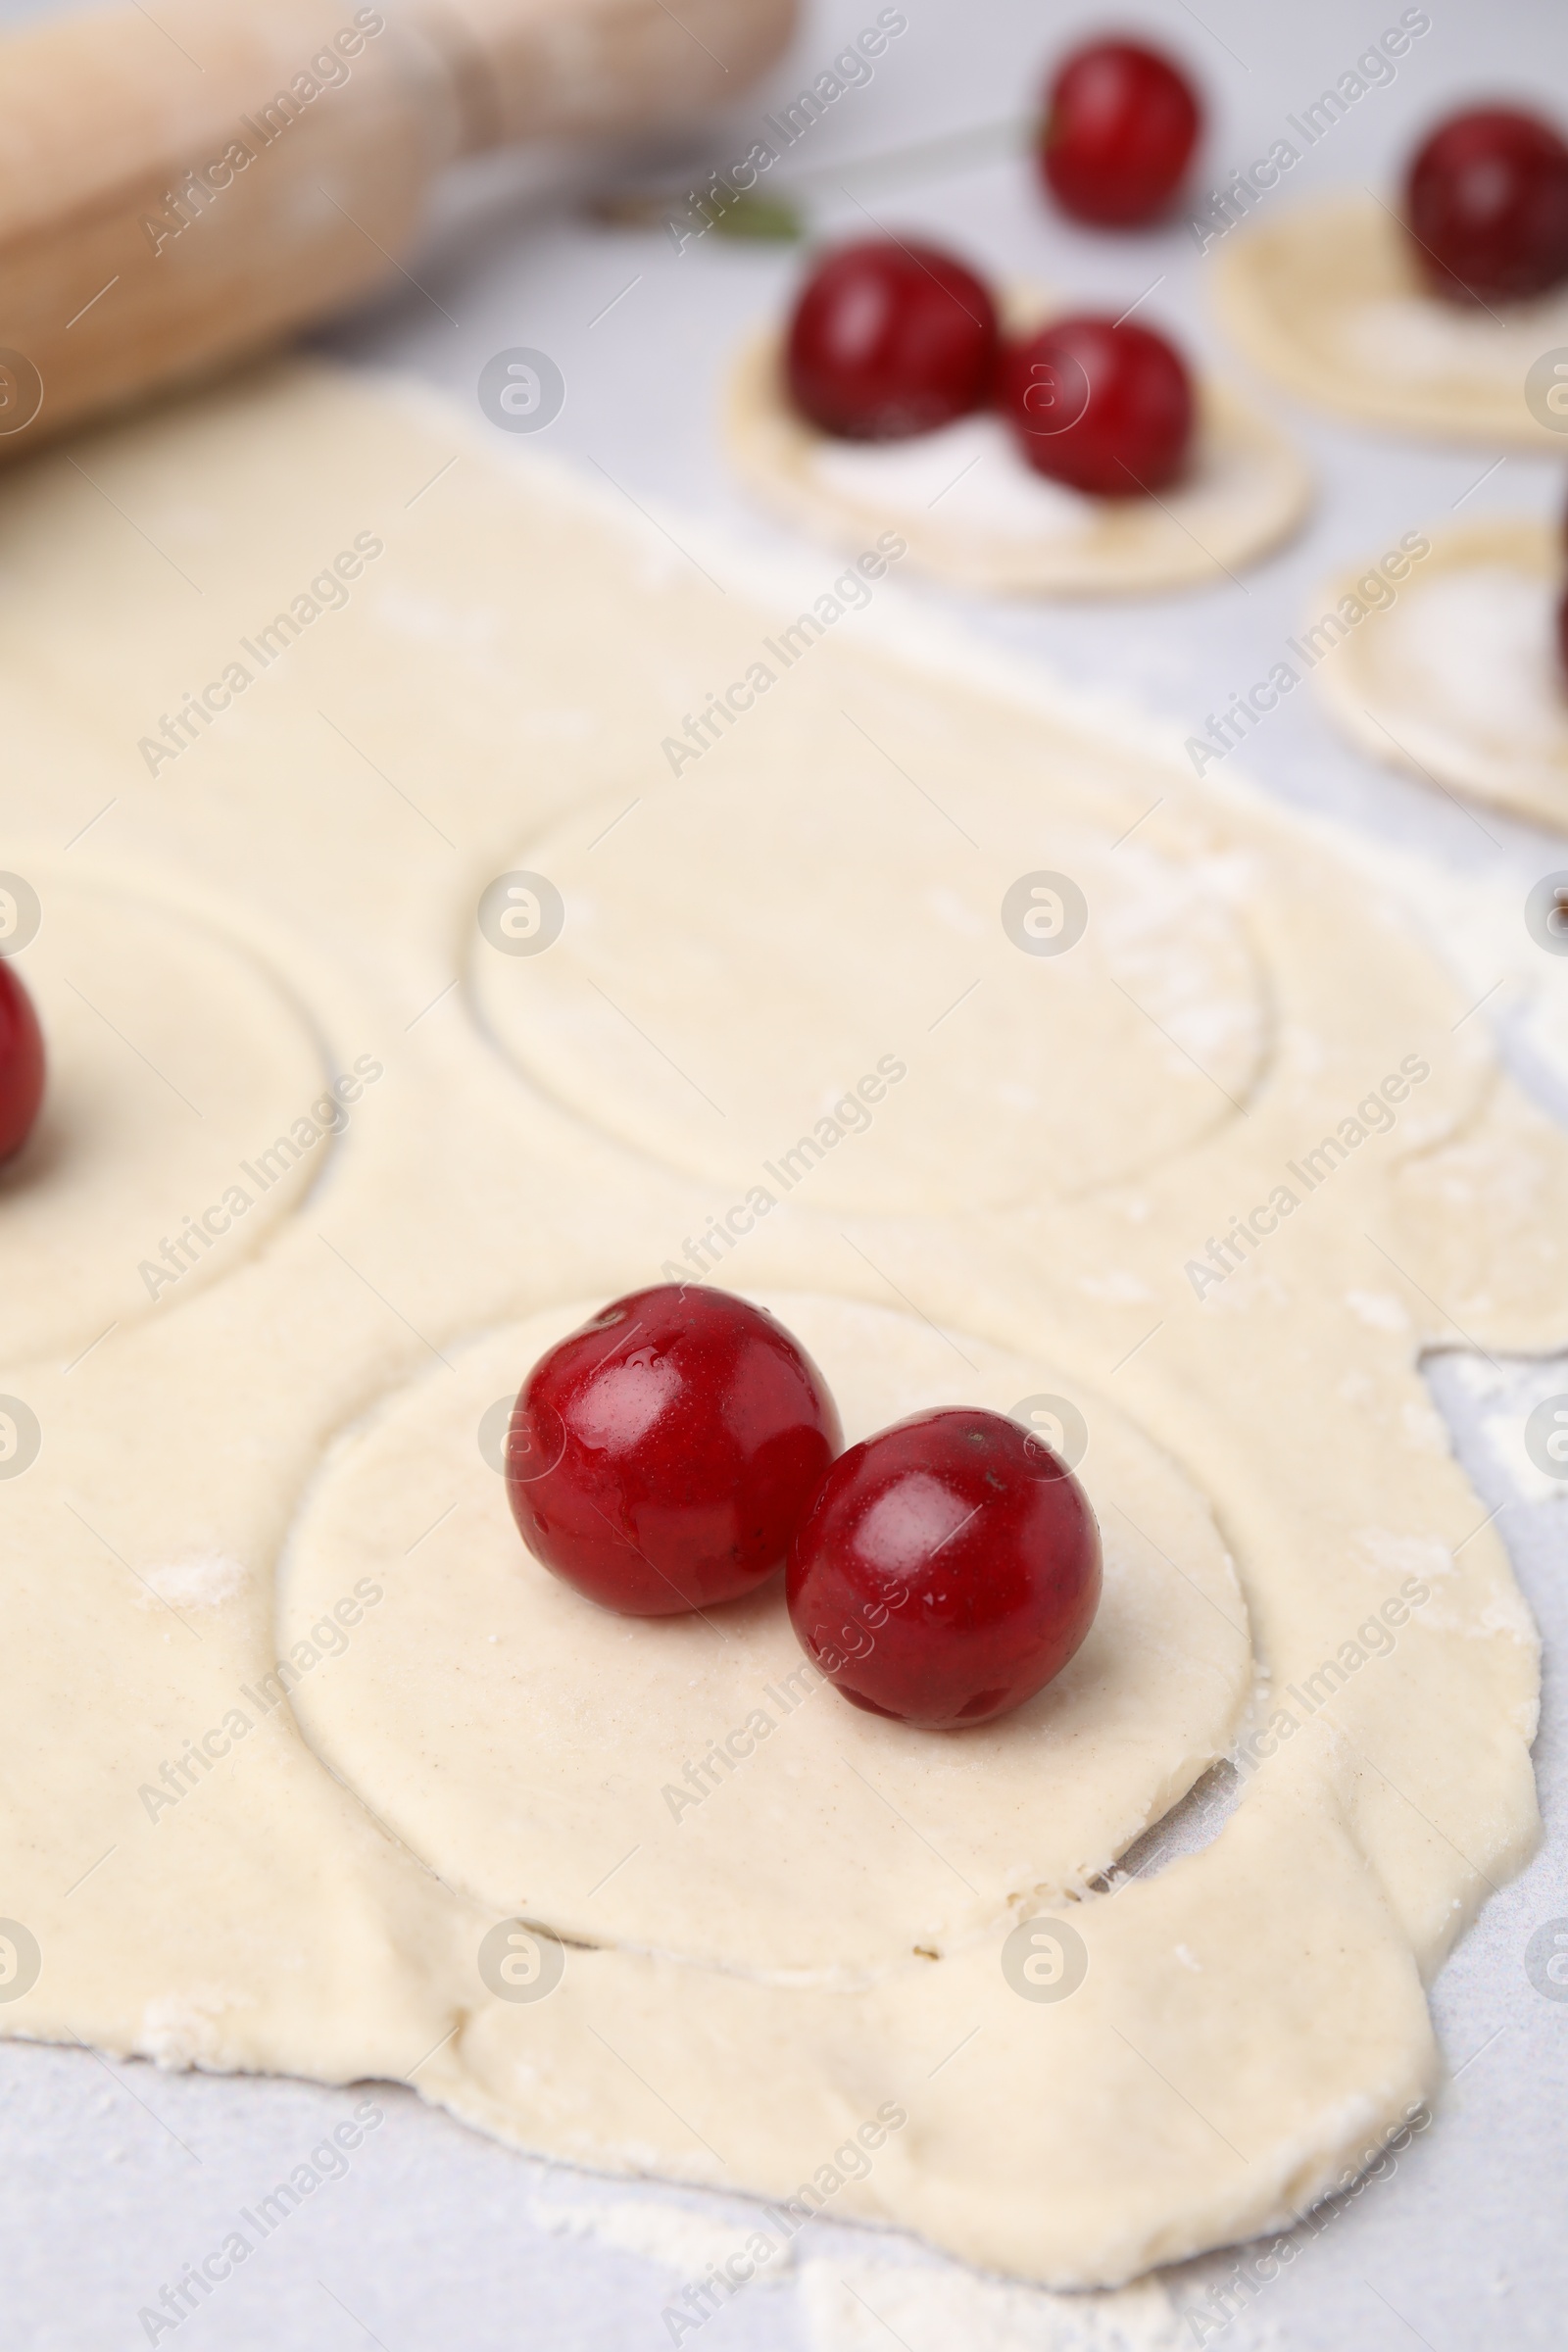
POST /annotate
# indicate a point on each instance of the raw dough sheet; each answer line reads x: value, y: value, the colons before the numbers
x: 280, y: 1455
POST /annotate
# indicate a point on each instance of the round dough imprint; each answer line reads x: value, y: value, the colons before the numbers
x: 176, y: 1069
x: 678, y: 1012
x: 971, y: 511
x: 1460, y: 679
x: 690, y: 1785
x: 1329, y: 302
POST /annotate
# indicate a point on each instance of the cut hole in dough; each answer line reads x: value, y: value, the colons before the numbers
x: 1187, y: 1828
x: 164, y: 1152
x: 973, y: 512
x: 1460, y: 678
x: 1330, y: 301
x: 690, y: 1785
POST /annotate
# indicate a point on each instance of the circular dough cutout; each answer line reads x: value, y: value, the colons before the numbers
x: 972, y: 511
x: 1460, y: 678
x: 1328, y: 300
x: 690, y: 1785
x: 173, y: 1059
x: 916, y: 1059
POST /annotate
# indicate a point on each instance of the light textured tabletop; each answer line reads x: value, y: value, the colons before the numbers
x: 117, y: 2176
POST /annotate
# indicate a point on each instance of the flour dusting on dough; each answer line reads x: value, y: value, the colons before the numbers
x: 1419, y: 338
x: 181, y: 2031
x: 1479, y: 646
x: 1379, y: 1311
x: 970, y: 467
x: 1394, y: 1555
x: 203, y: 1580
x: 1460, y: 678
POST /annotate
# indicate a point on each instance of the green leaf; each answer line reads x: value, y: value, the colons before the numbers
x: 769, y: 219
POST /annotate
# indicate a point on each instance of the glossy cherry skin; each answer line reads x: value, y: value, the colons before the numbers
x: 1120, y: 125
x: 22, y: 1064
x: 661, y: 1457
x: 890, y: 339
x: 1105, y: 408
x: 949, y: 1567
x: 1487, y: 206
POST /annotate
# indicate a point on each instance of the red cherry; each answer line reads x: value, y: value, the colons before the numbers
x: 1108, y: 409
x: 662, y: 1456
x: 1121, y: 122
x: 1486, y: 205
x: 888, y: 340
x: 22, y: 1064
x: 948, y: 1569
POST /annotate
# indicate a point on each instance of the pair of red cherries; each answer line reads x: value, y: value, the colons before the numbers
x: 890, y: 339
x: 681, y: 1446
x: 22, y: 1064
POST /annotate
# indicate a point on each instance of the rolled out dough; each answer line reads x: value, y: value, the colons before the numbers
x: 217, y: 1874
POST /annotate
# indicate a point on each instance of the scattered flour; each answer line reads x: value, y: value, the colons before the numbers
x: 203, y: 1581
x: 678, y: 2237
x: 862, y: 2306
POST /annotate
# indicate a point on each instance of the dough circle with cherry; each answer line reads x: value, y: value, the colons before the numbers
x: 972, y: 511
x: 176, y: 1130
x: 1328, y: 301
x: 476, y: 1712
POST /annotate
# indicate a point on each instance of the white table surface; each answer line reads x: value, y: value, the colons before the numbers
x: 116, y: 2176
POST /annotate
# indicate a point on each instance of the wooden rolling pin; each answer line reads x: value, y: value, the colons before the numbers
x: 187, y: 182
